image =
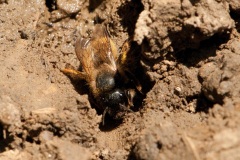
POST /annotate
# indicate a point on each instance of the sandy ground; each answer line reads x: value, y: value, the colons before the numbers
x: 190, y: 56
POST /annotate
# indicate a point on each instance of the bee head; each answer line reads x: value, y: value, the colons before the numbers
x: 116, y: 103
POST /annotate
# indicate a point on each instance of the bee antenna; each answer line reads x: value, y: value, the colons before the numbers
x: 104, y: 115
x: 130, y: 111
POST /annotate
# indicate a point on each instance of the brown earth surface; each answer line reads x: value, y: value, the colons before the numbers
x: 190, y: 55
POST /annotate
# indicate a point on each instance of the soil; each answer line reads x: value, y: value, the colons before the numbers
x: 190, y: 57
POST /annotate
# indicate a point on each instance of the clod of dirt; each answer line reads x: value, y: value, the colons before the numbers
x: 234, y: 5
x: 45, y: 136
x: 65, y: 8
x: 10, y: 118
x: 14, y: 154
x: 157, y: 142
x: 10, y: 113
x: 60, y: 149
x: 147, y: 148
x: 221, y: 76
x: 52, y: 149
x: 167, y: 26
x: 218, y: 138
x: 211, y: 76
x: 69, y: 7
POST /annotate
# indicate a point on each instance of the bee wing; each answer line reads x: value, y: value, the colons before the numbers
x: 97, y: 51
x: 103, y: 48
x: 83, y: 54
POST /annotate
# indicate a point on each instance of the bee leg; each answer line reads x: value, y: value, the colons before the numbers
x: 130, y: 95
x: 104, y: 115
x: 73, y: 73
x: 135, y: 81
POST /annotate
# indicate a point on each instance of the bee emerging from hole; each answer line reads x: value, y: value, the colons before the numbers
x: 107, y: 72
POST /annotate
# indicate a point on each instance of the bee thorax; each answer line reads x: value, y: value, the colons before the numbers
x: 105, y: 82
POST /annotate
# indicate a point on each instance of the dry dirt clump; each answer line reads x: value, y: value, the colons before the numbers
x: 190, y: 69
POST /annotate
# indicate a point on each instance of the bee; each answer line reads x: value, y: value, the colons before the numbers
x: 107, y: 71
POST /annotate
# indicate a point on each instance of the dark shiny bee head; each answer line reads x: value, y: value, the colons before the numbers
x: 116, y: 103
